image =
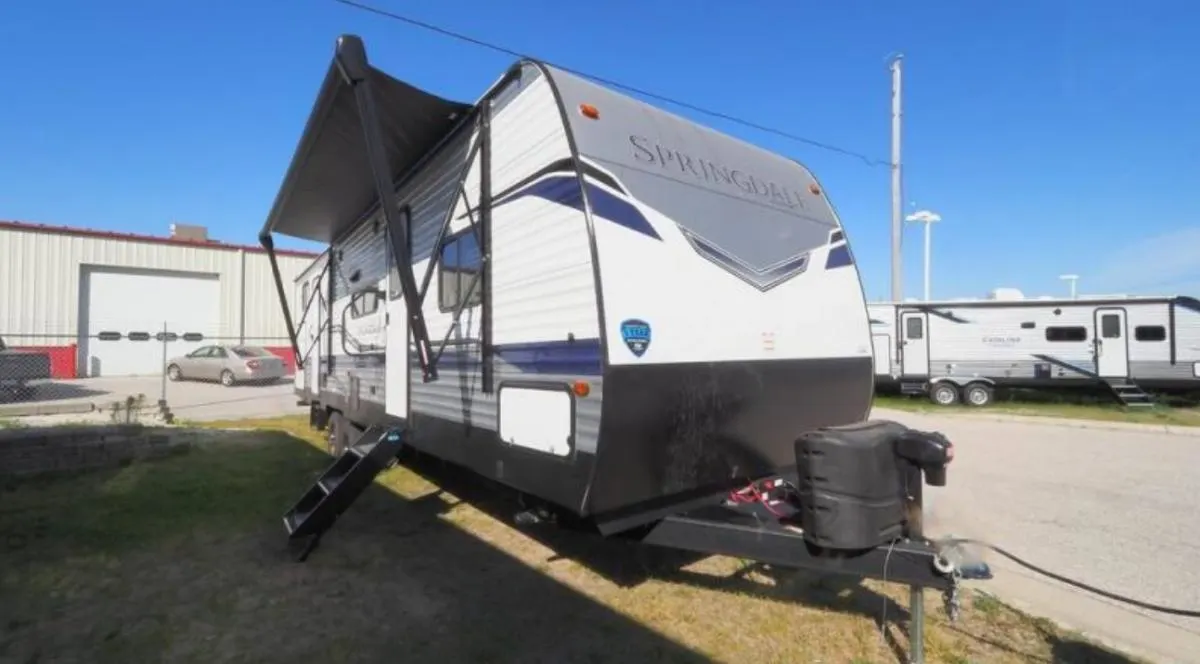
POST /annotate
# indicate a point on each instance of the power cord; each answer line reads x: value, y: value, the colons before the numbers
x: 1187, y: 613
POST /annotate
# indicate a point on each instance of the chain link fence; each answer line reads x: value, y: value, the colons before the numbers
x: 140, y: 375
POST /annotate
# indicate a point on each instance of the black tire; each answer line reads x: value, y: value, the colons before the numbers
x: 227, y: 378
x: 944, y: 394
x: 337, y: 434
x: 174, y: 373
x: 978, y: 395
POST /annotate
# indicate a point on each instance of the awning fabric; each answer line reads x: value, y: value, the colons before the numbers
x: 329, y: 185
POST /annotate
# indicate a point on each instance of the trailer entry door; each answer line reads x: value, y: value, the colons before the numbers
x: 914, y: 344
x: 1111, y: 345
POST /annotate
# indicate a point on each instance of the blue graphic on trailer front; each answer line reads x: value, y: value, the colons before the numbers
x: 636, y: 334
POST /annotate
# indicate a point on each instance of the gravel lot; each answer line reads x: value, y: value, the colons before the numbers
x: 1114, y: 509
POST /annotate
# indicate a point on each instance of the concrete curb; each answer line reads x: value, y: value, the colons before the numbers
x: 1132, y: 427
x: 26, y: 410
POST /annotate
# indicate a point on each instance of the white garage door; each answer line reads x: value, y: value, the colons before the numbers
x: 142, y: 301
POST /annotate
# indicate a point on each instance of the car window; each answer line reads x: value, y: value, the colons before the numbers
x: 201, y: 352
x: 217, y: 351
x: 249, y: 351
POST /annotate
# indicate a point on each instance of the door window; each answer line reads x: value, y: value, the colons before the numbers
x: 914, y: 328
x: 1110, y: 326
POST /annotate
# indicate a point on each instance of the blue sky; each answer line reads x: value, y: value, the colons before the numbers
x: 1051, y: 136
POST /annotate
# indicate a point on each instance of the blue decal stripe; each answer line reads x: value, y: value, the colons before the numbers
x: 564, y: 189
x: 839, y: 256
x: 581, y: 357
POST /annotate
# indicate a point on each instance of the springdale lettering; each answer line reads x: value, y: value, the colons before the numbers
x: 649, y: 152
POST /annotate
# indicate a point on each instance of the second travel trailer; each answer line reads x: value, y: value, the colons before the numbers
x: 966, y: 350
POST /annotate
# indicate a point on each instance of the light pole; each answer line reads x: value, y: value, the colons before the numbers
x: 929, y: 219
x: 1073, y: 278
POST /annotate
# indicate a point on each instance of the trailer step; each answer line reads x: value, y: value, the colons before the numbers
x: 1129, y: 393
x: 914, y: 387
x: 344, y: 481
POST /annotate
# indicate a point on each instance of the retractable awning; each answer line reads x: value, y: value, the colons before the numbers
x: 329, y: 184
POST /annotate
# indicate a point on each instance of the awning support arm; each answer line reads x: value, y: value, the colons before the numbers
x: 351, y: 59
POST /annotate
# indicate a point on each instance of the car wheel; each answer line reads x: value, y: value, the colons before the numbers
x: 978, y: 395
x: 174, y: 373
x: 944, y: 394
x: 227, y: 378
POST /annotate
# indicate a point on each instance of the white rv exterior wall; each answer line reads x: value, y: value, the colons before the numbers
x: 40, y: 272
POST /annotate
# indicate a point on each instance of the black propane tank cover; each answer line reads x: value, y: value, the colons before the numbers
x: 850, y: 485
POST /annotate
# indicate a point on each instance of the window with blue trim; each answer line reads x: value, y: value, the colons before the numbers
x: 459, y: 268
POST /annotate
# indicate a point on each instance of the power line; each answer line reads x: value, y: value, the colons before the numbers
x: 870, y: 161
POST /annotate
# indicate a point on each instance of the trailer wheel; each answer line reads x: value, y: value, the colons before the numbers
x: 978, y: 394
x: 335, y: 434
x: 944, y: 394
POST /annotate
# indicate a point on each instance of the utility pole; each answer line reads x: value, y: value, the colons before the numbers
x: 897, y: 226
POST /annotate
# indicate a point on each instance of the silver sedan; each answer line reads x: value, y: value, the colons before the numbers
x: 229, y: 364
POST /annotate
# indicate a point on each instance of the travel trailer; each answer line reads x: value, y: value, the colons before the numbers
x: 966, y: 350
x: 585, y: 321
x: 602, y: 306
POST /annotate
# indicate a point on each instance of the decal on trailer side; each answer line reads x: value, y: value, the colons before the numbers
x: 636, y: 334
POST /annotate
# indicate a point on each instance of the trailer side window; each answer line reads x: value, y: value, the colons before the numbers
x: 458, y: 272
x: 1150, y: 333
x: 1029, y: 325
x: 1059, y: 333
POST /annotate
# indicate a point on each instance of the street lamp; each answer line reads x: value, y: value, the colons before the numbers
x: 1071, y: 278
x: 929, y: 219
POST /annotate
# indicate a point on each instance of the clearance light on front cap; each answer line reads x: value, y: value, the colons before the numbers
x: 581, y: 388
x: 589, y: 111
x: 814, y: 189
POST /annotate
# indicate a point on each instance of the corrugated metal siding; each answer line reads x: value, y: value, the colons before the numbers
x: 40, y: 278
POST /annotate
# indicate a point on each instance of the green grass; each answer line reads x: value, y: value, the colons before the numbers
x: 183, y: 559
x: 1157, y: 414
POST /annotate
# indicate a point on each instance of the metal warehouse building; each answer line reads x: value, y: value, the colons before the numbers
x: 72, y: 291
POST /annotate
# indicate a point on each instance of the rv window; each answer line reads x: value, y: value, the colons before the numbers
x: 1028, y: 326
x: 460, y: 263
x: 364, y: 303
x: 1150, y: 333
x: 1110, y: 326
x: 1066, y: 334
x: 913, y: 329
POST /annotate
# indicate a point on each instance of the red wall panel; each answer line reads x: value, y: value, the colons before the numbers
x: 62, y: 359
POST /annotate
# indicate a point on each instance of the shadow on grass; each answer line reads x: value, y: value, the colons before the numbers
x: 627, y: 563
x: 185, y: 558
